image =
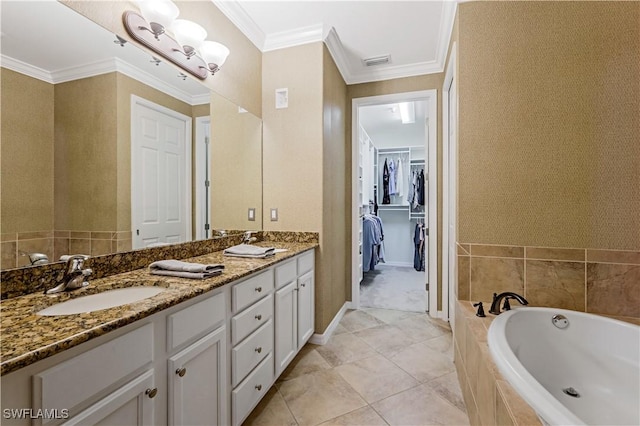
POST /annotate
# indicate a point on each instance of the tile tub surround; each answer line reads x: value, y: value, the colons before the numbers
x: 605, y: 282
x: 33, y: 279
x: 27, y: 337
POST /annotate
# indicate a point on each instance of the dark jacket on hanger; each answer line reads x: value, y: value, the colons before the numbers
x: 385, y: 184
x: 420, y: 188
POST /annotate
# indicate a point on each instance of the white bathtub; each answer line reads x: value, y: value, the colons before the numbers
x: 596, y: 356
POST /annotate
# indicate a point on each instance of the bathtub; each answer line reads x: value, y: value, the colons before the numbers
x: 583, y: 369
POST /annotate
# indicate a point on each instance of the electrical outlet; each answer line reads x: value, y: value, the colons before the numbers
x: 252, y: 214
x: 274, y: 215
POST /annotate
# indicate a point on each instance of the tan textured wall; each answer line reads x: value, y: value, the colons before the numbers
x: 86, y: 154
x: 335, y: 270
x: 400, y: 85
x: 292, y: 139
x: 236, y: 166
x: 549, y: 124
x: 27, y: 153
x: 240, y: 78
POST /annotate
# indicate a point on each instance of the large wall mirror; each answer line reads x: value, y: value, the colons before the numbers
x: 70, y: 148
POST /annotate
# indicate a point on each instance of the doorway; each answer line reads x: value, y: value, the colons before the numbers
x: 394, y: 152
x: 160, y: 175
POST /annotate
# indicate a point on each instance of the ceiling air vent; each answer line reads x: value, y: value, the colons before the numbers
x: 376, y: 60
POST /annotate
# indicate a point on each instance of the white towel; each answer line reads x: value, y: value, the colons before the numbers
x: 181, y: 269
x: 247, y: 250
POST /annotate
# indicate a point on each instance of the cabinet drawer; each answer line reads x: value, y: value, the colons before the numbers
x: 70, y: 383
x: 251, y: 390
x: 285, y: 273
x: 246, y: 322
x: 305, y: 262
x: 249, y: 353
x: 194, y: 321
x: 248, y: 291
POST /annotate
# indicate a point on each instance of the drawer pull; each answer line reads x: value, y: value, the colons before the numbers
x: 259, y: 349
x: 181, y: 371
x: 258, y: 317
x: 151, y: 392
x: 259, y: 289
x: 258, y: 387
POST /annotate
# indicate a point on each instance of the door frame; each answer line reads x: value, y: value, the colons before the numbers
x: 201, y: 175
x: 135, y: 214
x: 449, y: 190
x: 431, y: 96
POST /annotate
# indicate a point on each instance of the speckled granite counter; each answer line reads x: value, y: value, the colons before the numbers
x: 27, y: 337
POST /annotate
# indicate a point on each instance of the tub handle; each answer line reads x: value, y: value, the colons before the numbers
x: 560, y: 321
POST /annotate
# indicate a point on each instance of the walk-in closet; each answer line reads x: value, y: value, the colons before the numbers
x: 393, y: 197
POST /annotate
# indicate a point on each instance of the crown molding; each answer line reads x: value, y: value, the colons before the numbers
x: 446, y: 30
x: 390, y: 72
x: 336, y: 49
x: 294, y: 37
x: 26, y: 69
x: 99, y: 68
x: 241, y: 19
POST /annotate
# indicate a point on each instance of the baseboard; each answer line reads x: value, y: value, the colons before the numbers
x: 322, y: 339
x: 402, y: 264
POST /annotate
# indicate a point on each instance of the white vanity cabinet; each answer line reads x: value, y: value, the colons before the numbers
x: 294, y: 308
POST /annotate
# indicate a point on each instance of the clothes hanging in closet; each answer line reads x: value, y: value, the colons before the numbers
x: 372, y: 238
x: 420, y: 188
x: 392, y: 178
x: 419, y: 243
x: 399, y: 180
x: 385, y: 184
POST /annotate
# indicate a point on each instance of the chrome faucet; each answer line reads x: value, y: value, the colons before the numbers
x: 248, y: 237
x: 74, y: 276
x: 497, y: 298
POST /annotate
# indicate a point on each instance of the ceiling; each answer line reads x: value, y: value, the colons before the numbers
x: 385, y: 128
x: 415, y: 34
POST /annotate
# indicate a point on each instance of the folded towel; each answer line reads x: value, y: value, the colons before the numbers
x: 179, y: 266
x: 181, y: 274
x: 247, y: 250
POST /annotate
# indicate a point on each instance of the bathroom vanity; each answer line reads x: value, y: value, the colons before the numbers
x: 200, y: 352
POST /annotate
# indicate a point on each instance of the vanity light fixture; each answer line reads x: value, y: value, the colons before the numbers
x: 185, y: 47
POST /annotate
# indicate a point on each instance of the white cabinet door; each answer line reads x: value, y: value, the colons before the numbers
x: 197, y: 382
x: 286, y: 334
x: 130, y: 405
x: 305, y: 308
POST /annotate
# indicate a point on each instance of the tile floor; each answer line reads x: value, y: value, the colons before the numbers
x: 381, y: 367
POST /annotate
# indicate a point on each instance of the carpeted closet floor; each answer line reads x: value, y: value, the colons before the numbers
x: 394, y: 287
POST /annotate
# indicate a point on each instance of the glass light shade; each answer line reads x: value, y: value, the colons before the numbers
x: 188, y: 33
x: 214, y: 53
x: 162, y: 12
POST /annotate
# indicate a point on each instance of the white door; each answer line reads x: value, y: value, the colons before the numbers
x: 203, y: 173
x: 197, y: 382
x: 160, y: 176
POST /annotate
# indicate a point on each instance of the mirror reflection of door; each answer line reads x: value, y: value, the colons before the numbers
x: 160, y: 175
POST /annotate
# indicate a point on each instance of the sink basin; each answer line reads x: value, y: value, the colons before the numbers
x: 104, y: 300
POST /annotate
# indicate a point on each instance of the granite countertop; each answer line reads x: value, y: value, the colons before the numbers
x: 27, y: 337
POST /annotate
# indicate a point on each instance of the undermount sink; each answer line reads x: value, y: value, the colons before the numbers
x: 99, y: 301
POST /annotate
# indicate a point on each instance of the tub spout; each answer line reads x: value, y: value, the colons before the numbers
x: 497, y: 298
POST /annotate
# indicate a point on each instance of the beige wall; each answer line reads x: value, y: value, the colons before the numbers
x: 27, y: 154
x: 236, y: 166
x: 239, y: 80
x: 400, y: 85
x: 335, y: 271
x: 549, y: 124
x: 86, y: 154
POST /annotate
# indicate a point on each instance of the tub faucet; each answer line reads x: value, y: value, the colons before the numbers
x: 74, y: 276
x: 497, y: 298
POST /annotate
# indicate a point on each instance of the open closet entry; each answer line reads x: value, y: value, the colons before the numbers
x: 393, y: 251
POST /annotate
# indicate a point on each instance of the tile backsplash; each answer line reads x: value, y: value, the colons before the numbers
x: 590, y: 280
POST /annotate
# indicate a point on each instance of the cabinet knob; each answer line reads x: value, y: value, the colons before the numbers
x: 181, y: 371
x: 258, y: 387
x: 258, y: 317
x: 259, y: 349
x: 151, y: 392
x: 258, y: 289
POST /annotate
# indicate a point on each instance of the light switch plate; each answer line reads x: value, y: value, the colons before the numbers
x: 252, y: 214
x: 274, y: 215
x: 282, y: 98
